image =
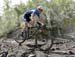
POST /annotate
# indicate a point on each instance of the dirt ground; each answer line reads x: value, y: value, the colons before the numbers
x: 61, y: 48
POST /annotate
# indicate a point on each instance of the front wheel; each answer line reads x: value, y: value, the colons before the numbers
x: 47, y: 46
x: 47, y: 40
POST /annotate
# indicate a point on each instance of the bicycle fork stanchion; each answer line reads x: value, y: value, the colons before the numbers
x: 36, y: 45
x: 36, y: 42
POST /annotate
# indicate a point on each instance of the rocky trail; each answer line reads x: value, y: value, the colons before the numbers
x: 61, y: 48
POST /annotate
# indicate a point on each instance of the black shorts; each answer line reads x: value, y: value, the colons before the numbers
x: 26, y: 19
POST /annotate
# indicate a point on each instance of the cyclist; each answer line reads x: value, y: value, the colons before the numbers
x: 28, y: 18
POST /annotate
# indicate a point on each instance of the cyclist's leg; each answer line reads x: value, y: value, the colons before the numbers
x: 30, y: 25
x: 23, y: 24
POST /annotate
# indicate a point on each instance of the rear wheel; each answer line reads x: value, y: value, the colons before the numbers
x: 19, y: 39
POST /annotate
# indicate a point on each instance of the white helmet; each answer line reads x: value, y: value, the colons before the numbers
x: 40, y: 7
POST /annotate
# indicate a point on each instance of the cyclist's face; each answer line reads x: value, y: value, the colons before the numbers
x: 40, y: 11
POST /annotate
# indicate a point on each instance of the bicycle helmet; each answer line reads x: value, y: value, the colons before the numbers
x: 40, y: 7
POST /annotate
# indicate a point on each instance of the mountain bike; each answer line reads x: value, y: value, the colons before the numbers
x: 39, y: 37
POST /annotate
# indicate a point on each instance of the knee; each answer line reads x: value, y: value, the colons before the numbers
x: 23, y: 25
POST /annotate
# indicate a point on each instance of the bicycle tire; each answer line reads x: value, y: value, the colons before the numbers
x: 48, y: 44
x: 48, y: 48
x: 19, y: 39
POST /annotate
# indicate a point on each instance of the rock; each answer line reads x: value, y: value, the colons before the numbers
x: 32, y: 55
x: 70, y: 52
x: 53, y: 49
x: 57, y: 48
x: 73, y: 46
x: 11, y: 55
x: 40, y: 54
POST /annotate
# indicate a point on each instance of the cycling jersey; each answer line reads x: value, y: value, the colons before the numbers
x: 27, y: 15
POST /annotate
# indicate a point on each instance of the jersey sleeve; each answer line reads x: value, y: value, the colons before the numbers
x: 36, y: 13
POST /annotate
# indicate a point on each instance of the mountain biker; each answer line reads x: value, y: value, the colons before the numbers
x: 28, y: 18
